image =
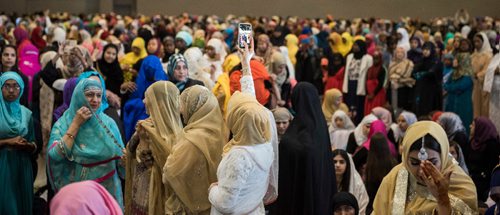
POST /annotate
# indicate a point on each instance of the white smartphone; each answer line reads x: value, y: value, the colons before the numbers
x: 244, y: 34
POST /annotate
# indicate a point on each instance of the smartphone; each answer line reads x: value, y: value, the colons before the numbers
x: 244, y: 34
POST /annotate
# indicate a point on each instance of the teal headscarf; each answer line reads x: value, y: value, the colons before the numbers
x: 172, y: 63
x: 13, y: 117
x: 87, y: 74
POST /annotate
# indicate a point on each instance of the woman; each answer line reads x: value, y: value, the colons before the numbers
x: 455, y: 130
x: 199, y: 67
x: 261, y: 80
x: 283, y: 118
x: 480, y: 60
x: 84, y: 198
x: 386, y: 117
x: 215, y: 55
x: 402, y: 83
x: 110, y: 69
x: 16, y: 146
x: 435, y: 184
x: 246, y: 161
x: 403, y: 39
x: 336, y: 67
x: 361, y: 154
x: 149, y: 149
x: 348, y: 179
x: 492, y: 86
x: 415, y: 52
x: 360, y: 133
x: 134, y: 110
x: 127, y: 62
x: 178, y: 73
x: 281, y: 78
x: 37, y: 38
x: 222, y: 88
x: 378, y: 164
x: 428, y: 76
x: 292, y: 43
x: 405, y: 119
x: 483, y: 155
x: 340, y: 128
x: 9, y: 63
x: 192, y: 166
x: 345, y: 203
x: 376, y: 77
x: 459, y: 86
x: 332, y: 103
x: 29, y: 63
x: 354, y: 87
x: 70, y: 156
x: 458, y: 155
x: 306, y: 179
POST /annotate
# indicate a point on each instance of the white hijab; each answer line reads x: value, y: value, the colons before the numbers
x: 490, y: 71
x: 405, y: 39
x: 358, y: 132
x: 340, y: 136
x: 486, y: 48
x: 357, y: 188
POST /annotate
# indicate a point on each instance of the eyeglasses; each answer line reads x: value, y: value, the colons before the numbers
x: 11, y: 87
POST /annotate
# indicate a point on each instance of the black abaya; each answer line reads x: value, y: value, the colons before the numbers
x: 306, y: 176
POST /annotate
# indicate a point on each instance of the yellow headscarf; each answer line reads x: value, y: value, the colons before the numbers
x: 337, y: 41
x: 131, y: 58
x: 392, y: 194
x: 345, y: 47
x: 248, y: 121
x: 192, y: 166
x: 161, y: 131
x: 328, y: 105
x: 222, y: 90
x: 292, y: 43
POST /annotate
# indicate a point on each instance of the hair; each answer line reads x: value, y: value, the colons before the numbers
x: 344, y: 186
x: 379, y: 162
x: 14, y: 68
x: 454, y: 144
x: 110, y: 45
x: 429, y: 142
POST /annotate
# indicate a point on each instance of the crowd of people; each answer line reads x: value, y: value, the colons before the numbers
x: 168, y: 115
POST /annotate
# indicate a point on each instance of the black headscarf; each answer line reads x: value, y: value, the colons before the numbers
x: 332, y: 68
x: 362, y: 49
x: 429, y: 61
x: 112, y: 72
x: 345, y: 198
x: 306, y: 177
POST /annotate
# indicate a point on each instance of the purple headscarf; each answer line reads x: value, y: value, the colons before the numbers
x: 484, y: 130
x: 20, y: 35
x: 69, y: 87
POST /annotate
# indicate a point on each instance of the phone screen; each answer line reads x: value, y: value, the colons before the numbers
x: 244, y: 34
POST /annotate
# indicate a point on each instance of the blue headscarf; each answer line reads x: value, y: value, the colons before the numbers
x: 185, y: 36
x: 230, y: 36
x: 98, y: 140
x: 14, y: 117
x: 87, y: 74
x: 172, y: 63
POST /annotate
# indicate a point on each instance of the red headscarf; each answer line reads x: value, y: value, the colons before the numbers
x: 36, y: 38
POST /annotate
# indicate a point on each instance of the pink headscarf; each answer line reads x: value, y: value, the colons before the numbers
x: 29, y: 64
x: 84, y: 198
x: 378, y: 126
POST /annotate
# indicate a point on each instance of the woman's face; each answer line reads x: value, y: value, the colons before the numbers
x: 152, y: 46
x: 344, y: 210
x: 279, y: 69
x: 478, y: 43
x: 414, y: 163
x: 453, y: 152
x: 414, y: 44
x: 10, y: 90
x: 110, y: 55
x: 339, y: 122
x: 426, y: 52
x: 94, y: 97
x: 355, y: 48
x: 403, y: 125
x: 400, y: 53
x: 169, y: 46
x: 9, y: 57
x: 340, y: 165
x: 211, y: 52
x: 262, y: 45
x: 181, y: 71
x: 281, y: 126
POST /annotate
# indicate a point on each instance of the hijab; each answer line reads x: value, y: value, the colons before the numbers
x: 204, y: 131
x: 484, y: 130
x: 486, y: 48
x: 282, y: 114
x: 131, y: 58
x: 151, y: 71
x: 112, y: 72
x: 69, y: 87
x: 410, y: 118
x: 84, y: 198
x: 37, y: 39
x: 378, y: 126
x: 384, y: 115
x: 396, y: 184
x: 278, y: 59
x: 429, y: 61
x: 345, y: 198
x: 88, y: 74
x: 340, y: 136
x: 219, y: 48
x: 248, y: 121
x: 13, y: 116
x: 362, y: 49
x: 306, y: 176
x: 292, y: 43
x: 20, y: 35
x: 451, y: 124
x: 345, y: 47
x: 358, y: 132
x: 198, y: 66
x: 172, y: 63
x: 405, y: 39
x: 328, y: 107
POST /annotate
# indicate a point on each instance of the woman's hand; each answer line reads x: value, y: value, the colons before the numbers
x: 82, y: 115
x: 246, y: 54
x: 113, y: 99
x: 128, y: 87
x: 437, y: 183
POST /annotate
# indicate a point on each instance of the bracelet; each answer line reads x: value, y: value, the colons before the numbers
x: 70, y: 136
